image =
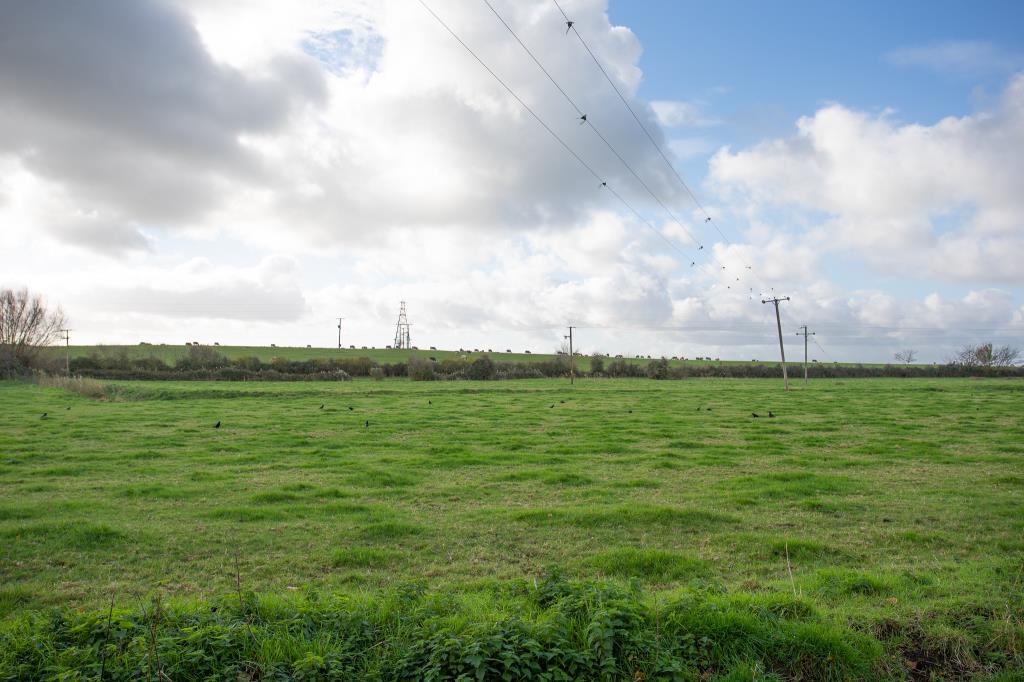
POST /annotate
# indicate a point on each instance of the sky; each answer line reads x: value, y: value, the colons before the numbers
x: 248, y: 171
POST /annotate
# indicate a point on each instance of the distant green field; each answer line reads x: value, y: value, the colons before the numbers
x: 892, y: 507
x: 170, y: 354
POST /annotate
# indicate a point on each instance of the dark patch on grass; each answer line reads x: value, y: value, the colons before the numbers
x: 245, y: 514
x: 565, y: 478
x: 12, y: 513
x: 844, y: 583
x: 791, y: 485
x: 390, y: 530
x: 79, y: 536
x: 634, y: 515
x: 640, y: 483
x: 651, y: 564
x: 379, y: 478
x: 274, y: 497
x: 801, y: 549
x: 362, y: 557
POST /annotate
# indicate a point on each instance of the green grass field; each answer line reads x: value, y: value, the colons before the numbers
x: 889, y: 508
x: 171, y: 353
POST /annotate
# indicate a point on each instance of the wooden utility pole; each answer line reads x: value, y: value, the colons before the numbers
x: 805, y: 334
x: 778, y: 321
x: 67, y: 350
x: 572, y: 358
x: 339, y: 332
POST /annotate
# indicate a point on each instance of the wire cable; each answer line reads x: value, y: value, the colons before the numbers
x: 603, y: 183
x: 584, y: 118
x: 707, y: 216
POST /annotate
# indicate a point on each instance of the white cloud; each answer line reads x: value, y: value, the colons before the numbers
x: 678, y: 114
x: 963, y: 57
x: 248, y: 186
x: 939, y: 201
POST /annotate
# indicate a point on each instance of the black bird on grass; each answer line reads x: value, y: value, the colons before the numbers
x: 631, y: 411
x: 562, y: 401
x: 430, y: 402
x: 321, y: 406
x: 709, y: 409
x: 367, y: 424
x: 43, y: 415
x: 552, y: 406
x: 770, y: 414
x: 217, y: 425
x: 351, y: 408
x: 68, y: 407
x: 755, y: 415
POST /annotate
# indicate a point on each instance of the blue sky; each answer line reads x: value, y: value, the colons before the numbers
x: 761, y: 66
x: 779, y: 61
x: 246, y: 172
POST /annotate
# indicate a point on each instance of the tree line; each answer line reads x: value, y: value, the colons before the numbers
x: 27, y: 325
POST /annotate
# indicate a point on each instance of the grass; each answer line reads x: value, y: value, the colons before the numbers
x: 900, y: 504
x: 171, y: 353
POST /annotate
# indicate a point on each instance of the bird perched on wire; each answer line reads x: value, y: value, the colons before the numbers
x: 217, y: 425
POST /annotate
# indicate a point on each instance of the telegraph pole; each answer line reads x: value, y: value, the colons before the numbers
x: 778, y: 321
x: 572, y: 358
x: 339, y: 332
x: 67, y: 349
x: 805, y: 334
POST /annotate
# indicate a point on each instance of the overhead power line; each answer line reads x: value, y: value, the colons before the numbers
x: 571, y: 26
x: 602, y: 183
x: 584, y: 118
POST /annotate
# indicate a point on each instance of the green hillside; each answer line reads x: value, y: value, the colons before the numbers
x: 170, y: 354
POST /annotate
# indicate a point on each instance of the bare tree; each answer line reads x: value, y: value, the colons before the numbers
x: 907, y: 356
x: 26, y: 325
x: 985, y: 355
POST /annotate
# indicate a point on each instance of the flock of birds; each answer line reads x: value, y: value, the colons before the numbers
x: 366, y: 423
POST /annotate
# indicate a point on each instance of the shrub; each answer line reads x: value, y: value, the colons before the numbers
x: 481, y: 369
x: 596, y: 363
x: 419, y: 369
x: 657, y: 369
x: 376, y: 373
x: 201, y: 357
x: 623, y: 368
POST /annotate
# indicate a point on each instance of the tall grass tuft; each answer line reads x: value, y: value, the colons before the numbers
x: 84, y: 386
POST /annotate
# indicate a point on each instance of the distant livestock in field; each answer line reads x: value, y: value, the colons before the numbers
x: 527, y: 352
x: 433, y: 348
